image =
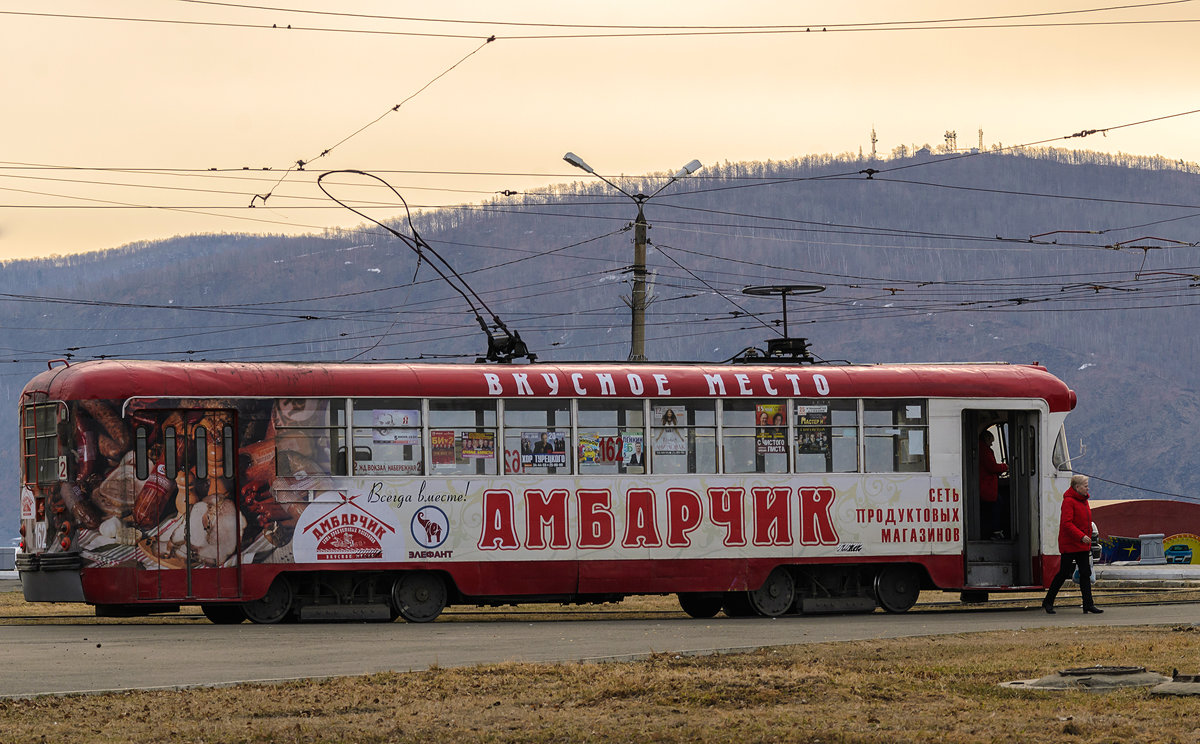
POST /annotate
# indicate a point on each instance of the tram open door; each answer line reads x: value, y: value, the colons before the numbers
x: 190, y: 513
x: 1000, y: 535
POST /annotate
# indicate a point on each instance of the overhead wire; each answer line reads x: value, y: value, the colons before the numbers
x: 1143, y: 489
x: 623, y: 34
x: 723, y: 295
x: 178, y: 307
x: 375, y: 16
x: 299, y: 165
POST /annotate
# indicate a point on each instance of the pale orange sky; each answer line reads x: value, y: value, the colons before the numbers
x: 89, y: 93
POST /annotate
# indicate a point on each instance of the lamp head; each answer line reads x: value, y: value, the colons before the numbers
x: 577, y: 161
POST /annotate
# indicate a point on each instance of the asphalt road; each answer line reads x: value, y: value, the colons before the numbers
x: 83, y: 657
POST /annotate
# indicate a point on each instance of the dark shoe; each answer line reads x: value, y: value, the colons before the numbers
x: 1048, y: 607
x: 1093, y: 609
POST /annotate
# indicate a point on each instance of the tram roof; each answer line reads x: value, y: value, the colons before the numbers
x: 122, y: 379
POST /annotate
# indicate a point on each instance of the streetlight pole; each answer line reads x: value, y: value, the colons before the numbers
x: 637, y: 300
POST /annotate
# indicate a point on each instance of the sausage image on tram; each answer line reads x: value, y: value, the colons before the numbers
x: 376, y: 491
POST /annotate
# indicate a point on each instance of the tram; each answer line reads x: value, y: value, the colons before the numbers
x: 280, y: 491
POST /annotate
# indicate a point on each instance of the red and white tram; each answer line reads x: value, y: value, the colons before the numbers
x: 373, y: 491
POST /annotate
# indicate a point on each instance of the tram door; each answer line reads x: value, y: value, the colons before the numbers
x: 1000, y: 534
x: 191, y: 499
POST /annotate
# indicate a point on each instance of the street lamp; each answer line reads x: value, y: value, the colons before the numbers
x: 637, y: 302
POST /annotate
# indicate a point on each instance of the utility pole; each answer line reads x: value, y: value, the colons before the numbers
x: 637, y: 304
x: 637, y: 299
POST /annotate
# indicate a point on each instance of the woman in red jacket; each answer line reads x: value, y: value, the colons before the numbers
x: 1074, y: 544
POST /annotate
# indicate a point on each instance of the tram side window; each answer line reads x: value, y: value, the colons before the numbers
x: 39, y: 426
x: 228, y: 460
x: 896, y: 435
x: 1060, y: 458
x: 612, y: 437
x: 537, y: 437
x: 826, y: 436
x: 309, y: 437
x: 141, y: 438
x: 462, y: 437
x: 683, y: 436
x: 387, y: 437
x: 754, y: 436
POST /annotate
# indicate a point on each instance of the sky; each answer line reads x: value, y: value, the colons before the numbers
x: 136, y: 120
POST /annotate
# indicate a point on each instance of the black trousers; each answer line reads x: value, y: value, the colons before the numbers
x: 1067, y: 567
x: 992, y: 518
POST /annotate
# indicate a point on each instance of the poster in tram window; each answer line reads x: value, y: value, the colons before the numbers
x: 396, y: 426
x: 606, y: 449
x: 543, y: 449
x: 28, y: 504
x: 633, y: 451
x: 812, y: 415
x: 478, y: 445
x: 812, y: 441
x: 812, y: 432
x: 770, y: 414
x: 441, y: 447
x: 590, y: 452
x: 668, y: 436
x: 770, y: 437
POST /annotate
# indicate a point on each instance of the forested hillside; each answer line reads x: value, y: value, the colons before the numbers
x: 1083, y: 262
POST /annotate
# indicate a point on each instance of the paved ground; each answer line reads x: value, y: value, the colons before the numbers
x: 88, y: 657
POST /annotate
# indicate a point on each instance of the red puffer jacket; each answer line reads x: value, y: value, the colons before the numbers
x: 989, y: 474
x: 1076, y: 523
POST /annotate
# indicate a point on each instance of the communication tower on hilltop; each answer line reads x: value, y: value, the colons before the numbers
x: 981, y: 139
x: 874, y: 139
x: 951, y: 140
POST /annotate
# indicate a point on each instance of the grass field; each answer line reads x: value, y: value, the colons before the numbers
x: 935, y: 689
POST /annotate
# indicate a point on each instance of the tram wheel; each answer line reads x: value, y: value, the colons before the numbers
x: 737, y: 604
x: 700, y: 605
x: 897, y: 588
x: 224, y: 614
x: 777, y: 594
x: 419, y: 596
x: 274, y: 606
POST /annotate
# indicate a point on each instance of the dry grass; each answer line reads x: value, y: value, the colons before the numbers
x: 937, y: 689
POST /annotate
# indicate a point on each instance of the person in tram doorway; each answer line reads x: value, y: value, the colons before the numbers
x: 1075, y: 544
x: 992, y: 512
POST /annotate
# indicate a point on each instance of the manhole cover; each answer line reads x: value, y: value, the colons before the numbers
x: 1179, y: 684
x: 1092, y: 678
x: 1094, y: 670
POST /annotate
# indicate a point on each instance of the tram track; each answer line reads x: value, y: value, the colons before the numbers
x: 667, y: 610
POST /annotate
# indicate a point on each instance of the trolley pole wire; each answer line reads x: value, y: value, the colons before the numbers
x: 503, y: 345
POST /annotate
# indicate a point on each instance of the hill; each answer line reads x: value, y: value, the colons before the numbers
x: 1081, y: 261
